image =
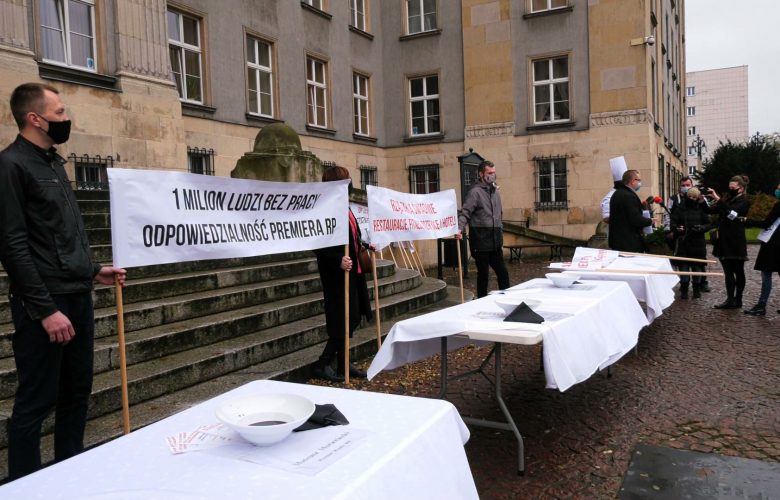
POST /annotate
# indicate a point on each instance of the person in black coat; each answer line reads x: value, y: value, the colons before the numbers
x: 731, y: 244
x: 689, y: 222
x: 625, y: 215
x: 768, y: 260
x: 332, y: 264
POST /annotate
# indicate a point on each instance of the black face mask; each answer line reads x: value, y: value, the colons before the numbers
x: 733, y: 192
x: 58, y: 132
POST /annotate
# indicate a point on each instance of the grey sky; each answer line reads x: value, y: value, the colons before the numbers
x: 726, y: 33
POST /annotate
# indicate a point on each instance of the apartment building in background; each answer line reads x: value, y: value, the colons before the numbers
x: 717, y: 111
x: 393, y: 90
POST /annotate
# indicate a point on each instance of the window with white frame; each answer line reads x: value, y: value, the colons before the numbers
x: 691, y: 110
x: 368, y: 176
x: 360, y: 103
x: 424, y: 104
x: 357, y: 11
x: 420, y: 15
x: 551, y: 90
x: 690, y: 91
x: 424, y: 179
x: 317, y: 4
x: 316, y: 93
x: 542, y: 5
x: 551, y: 184
x: 184, y: 43
x: 691, y: 130
x: 260, y: 77
x: 691, y: 150
x: 68, y: 32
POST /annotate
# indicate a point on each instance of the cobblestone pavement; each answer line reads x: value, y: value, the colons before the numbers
x: 703, y: 379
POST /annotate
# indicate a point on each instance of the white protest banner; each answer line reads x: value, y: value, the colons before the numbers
x: 361, y: 215
x: 159, y: 217
x: 399, y: 216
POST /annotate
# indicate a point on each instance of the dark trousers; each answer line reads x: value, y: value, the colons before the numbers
x: 734, y: 269
x: 495, y: 260
x: 51, y: 376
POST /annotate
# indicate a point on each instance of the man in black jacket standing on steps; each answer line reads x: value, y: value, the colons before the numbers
x: 44, y: 249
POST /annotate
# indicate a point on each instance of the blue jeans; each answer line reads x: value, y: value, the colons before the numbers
x: 766, y: 287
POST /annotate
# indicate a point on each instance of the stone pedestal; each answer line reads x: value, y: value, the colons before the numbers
x: 277, y: 156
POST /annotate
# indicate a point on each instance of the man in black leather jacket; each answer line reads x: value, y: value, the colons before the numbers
x: 44, y: 249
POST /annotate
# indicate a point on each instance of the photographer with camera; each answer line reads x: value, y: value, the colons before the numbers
x: 731, y: 244
x: 690, y: 222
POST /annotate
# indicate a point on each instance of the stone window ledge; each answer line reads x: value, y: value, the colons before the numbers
x: 72, y: 75
x: 360, y: 32
x: 424, y: 138
x: 320, y: 130
x: 549, y: 12
x: 317, y: 11
x: 196, y: 110
x: 366, y: 138
x: 422, y: 34
x: 551, y: 126
x: 262, y: 119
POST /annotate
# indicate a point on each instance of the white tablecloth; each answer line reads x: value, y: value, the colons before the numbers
x: 414, y: 449
x: 655, y: 290
x: 596, y: 323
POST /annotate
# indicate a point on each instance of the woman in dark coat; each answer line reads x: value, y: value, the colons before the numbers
x: 768, y: 260
x: 689, y: 222
x: 332, y: 264
x: 731, y: 245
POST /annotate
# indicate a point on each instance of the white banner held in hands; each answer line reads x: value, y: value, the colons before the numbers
x: 158, y: 217
x: 397, y: 216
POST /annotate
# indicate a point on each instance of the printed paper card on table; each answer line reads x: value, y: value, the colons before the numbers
x: 159, y: 217
x: 588, y: 259
x: 397, y: 216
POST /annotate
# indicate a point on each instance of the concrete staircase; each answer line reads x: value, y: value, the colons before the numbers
x: 194, y: 330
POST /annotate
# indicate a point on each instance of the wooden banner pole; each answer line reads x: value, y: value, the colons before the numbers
x: 639, y: 271
x: 120, y: 322
x: 419, y: 259
x: 376, y: 304
x: 346, y: 318
x: 460, y: 272
x: 672, y: 257
x: 392, y: 254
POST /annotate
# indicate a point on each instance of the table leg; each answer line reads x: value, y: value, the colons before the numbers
x: 509, y: 425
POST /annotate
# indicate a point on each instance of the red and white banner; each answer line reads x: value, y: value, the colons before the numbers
x: 158, y: 217
x: 396, y: 216
x: 361, y: 216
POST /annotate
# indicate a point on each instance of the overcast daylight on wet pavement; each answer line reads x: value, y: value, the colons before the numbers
x: 701, y: 379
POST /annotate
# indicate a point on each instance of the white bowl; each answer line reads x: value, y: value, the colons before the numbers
x: 509, y: 303
x: 562, y: 280
x: 265, y: 419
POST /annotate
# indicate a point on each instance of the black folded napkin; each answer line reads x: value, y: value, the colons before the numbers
x: 524, y: 314
x: 323, y: 416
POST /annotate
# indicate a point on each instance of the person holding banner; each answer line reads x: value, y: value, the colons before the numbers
x: 44, y: 249
x: 483, y: 212
x: 332, y: 264
x: 626, y: 221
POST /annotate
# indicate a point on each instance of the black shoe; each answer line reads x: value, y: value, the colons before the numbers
x: 756, y: 310
x: 684, y: 293
x: 696, y: 292
x: 737, y: 303
x: 326, y: 373
x: 705, y: 287
x: 728, y: 304
x: 355, y: 372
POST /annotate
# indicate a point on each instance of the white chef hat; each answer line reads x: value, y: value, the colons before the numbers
x: 618, y: 167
